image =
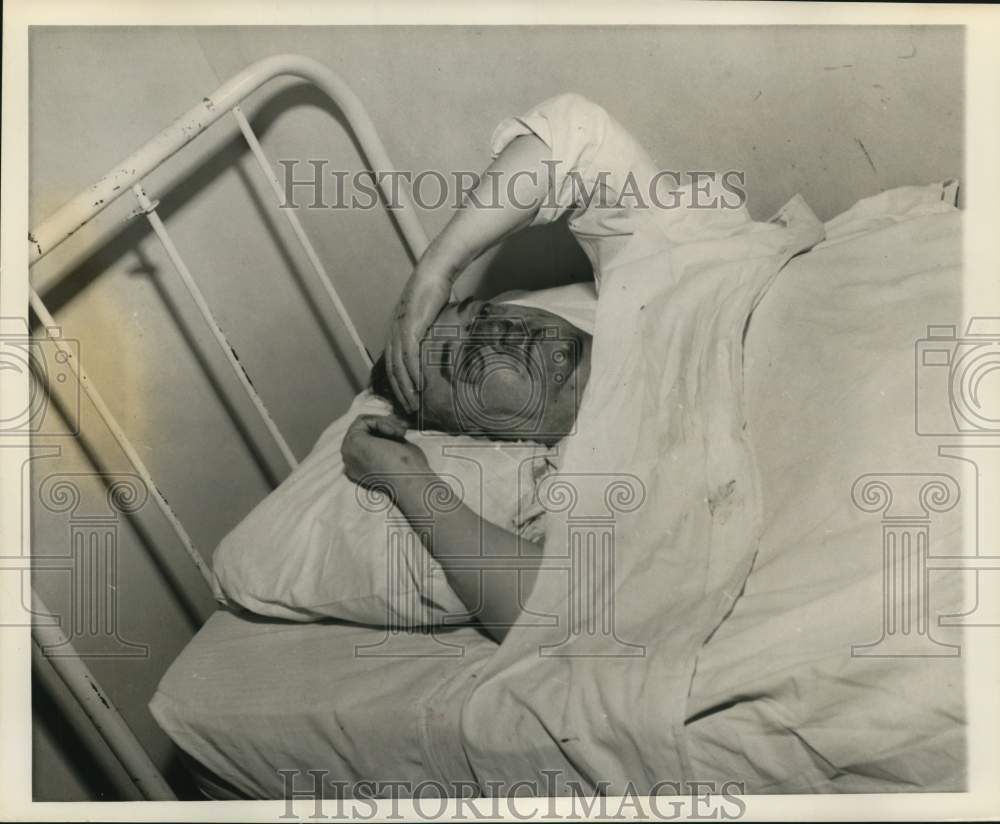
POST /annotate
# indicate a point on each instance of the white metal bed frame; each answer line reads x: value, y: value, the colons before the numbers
x: 127, y: 176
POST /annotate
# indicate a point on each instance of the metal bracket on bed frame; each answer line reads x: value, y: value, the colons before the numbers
x: 103, y: 714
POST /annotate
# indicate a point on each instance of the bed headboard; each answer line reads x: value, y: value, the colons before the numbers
x: 126, y: 179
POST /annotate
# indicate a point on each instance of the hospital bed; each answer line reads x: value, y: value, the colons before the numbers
x: 253, y: 700
x: 125, y: 180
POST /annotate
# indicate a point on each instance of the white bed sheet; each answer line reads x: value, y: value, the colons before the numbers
x: 251, y: 696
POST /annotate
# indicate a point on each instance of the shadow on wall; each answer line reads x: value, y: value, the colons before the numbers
x: 537, y: 258
x: 130, y: 240
x: 202, y: 177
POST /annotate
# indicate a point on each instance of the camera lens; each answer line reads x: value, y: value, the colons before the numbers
x: 975, y: 387
x: 477, y: 367
x: 21, y: 357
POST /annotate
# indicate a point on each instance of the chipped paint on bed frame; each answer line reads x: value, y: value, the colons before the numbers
x: 127, y: 176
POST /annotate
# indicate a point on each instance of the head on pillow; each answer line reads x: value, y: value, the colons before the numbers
x: 499, y: 371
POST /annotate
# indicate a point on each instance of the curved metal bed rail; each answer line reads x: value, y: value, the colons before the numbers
x: 125, y: 177
x: 90, y: 202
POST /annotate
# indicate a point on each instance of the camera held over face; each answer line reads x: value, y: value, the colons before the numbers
x: 958, y: 380
x: 503, y: 377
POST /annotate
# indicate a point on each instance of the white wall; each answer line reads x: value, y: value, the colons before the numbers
x: 834, y: 114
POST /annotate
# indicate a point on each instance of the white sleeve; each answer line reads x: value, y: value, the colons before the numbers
x: 594, y: 163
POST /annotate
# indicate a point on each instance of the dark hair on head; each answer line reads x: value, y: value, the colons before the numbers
x: 380, y: 386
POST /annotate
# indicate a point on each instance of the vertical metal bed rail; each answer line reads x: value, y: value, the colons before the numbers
x: 300, y: 233
x: 121, y: 438
x: 101, y: 711
x: 149, y: 209
x: 128, y: 175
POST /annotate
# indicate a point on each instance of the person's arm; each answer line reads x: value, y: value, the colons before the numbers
x: 376, y: 454
x: 469, y: 547
x: 491, y: 212
x: 485, y: 218
x: 566, y: 154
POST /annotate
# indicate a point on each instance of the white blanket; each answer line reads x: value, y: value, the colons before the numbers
x: 610, y: 704
x: 745, y: 573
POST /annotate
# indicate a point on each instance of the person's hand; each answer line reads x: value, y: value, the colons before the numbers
x: 418, y: 306
x: 375, y: 449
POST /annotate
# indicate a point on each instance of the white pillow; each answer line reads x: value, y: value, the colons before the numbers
x: 320, y: 547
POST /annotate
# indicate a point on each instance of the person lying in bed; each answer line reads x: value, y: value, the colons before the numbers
x: 481, y: 368
x: 495, y: 370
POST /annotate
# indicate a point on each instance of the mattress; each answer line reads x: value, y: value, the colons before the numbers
x: 250, y: 697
